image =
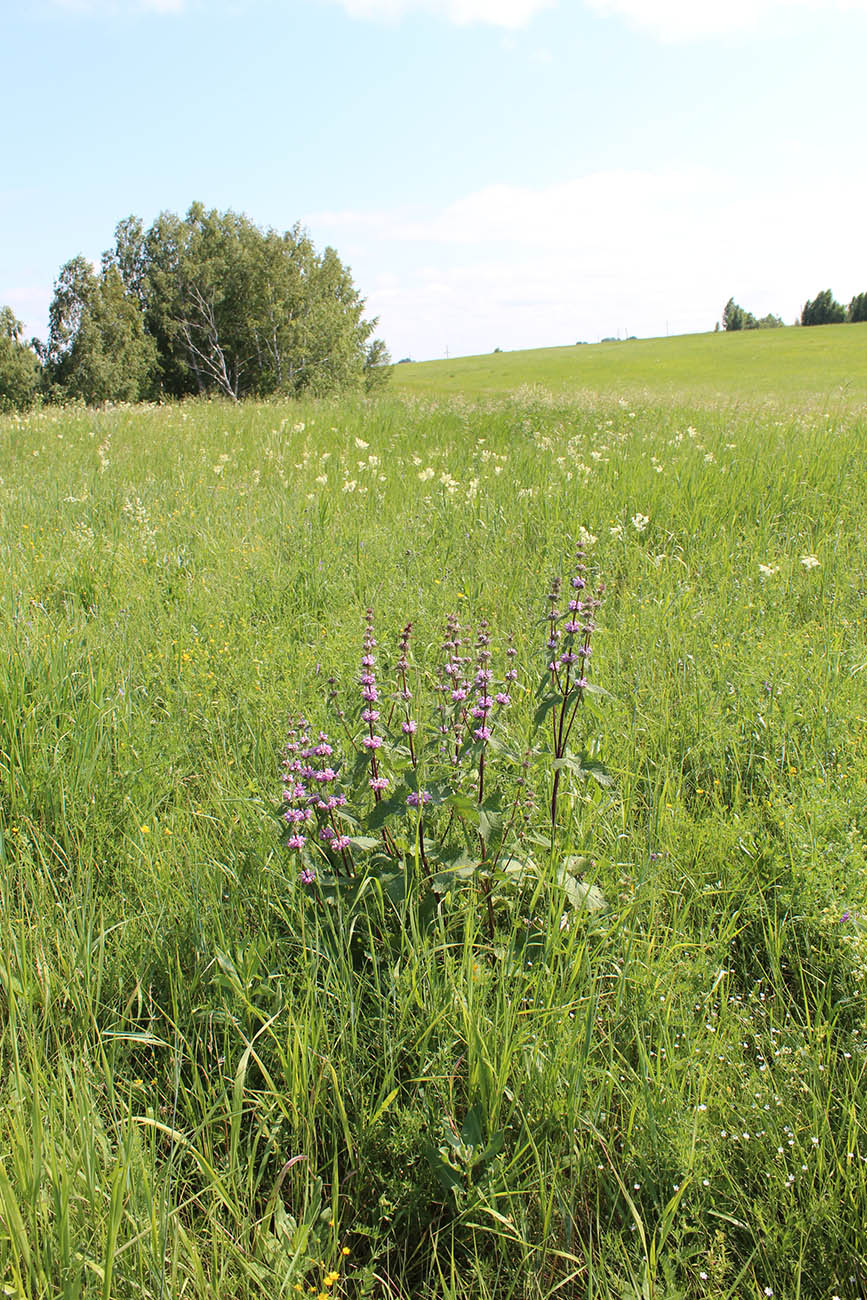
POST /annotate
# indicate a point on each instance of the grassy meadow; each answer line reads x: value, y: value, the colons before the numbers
x: 824, y: 367
x: 220, y: 1083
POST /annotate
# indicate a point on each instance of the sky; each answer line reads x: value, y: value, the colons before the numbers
x: 496, y: 173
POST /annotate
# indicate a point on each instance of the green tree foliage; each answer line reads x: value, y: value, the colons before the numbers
x: 20, y: 367
x: 858, y: 308
x: 377, y: 365
x: 98, y: 349
x: 240, y: 311
x: 209, y: 303
x: 735, y: 318
x: 823, y: 310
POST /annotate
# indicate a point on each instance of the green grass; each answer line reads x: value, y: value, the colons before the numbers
x: 206, y: 1091
x: 823, y: 366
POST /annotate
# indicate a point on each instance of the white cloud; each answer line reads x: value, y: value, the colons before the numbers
x: 497, y: 13
x: 683, y: 20
x: 613, y: 252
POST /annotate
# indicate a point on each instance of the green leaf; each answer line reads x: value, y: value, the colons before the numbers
x: 592, y: 689
x: 465, y: 807
x: 471, y: 1132
x: 365, y: 842
x: 536, y: 837
x: 513, y: 869
x: 490, y: 821
x: 383, y: 1106
x: 548, y: 703
x: 447, y: 1177
x: 394, y: 886
x: 457, y: 858
x: 491, y: 1151
x: 381, y: 811
x: 497, y: 746
x: 598, y: 771
x: 579, y: 893
x: 584, y: 766
x: 446, y: 879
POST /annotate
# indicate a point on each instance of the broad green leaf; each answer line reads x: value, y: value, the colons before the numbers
x: 386, y: 808
x: 471, y: 1132
x: 579, y: 893
x: 447, y: 1177
x: 548, y: 703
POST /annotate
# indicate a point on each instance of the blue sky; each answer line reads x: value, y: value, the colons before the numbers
x: 497, y: 173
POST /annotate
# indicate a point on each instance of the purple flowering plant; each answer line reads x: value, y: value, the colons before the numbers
x: 420, y: 792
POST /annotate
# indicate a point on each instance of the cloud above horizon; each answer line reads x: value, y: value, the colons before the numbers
x: 686, y: 20
x: 666, y: 20
x: 623, y: 251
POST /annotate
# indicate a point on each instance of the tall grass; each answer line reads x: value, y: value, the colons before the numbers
x: 204, y: 1091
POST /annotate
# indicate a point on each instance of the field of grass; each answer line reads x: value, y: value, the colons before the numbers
x: 217, y: 1081
x: 821, y: 367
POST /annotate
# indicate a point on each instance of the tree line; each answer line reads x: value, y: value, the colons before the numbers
x: 821, y: 310
x: 201, y: 305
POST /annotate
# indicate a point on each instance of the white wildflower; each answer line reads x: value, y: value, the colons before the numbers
x: 640, y: 522
x: 361, y: 444
x: 809, y: 561
x: 768, y: 570
x: 585, y: 537
x: 425, y: 474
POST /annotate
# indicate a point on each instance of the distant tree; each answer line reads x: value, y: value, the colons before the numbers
x: 858, y: 308
x: 823, y: 310
x: 769, y: 322
x: 377, y: 366
x: 98, y: 349
x: 735, y: 318
x: 20, y: 367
